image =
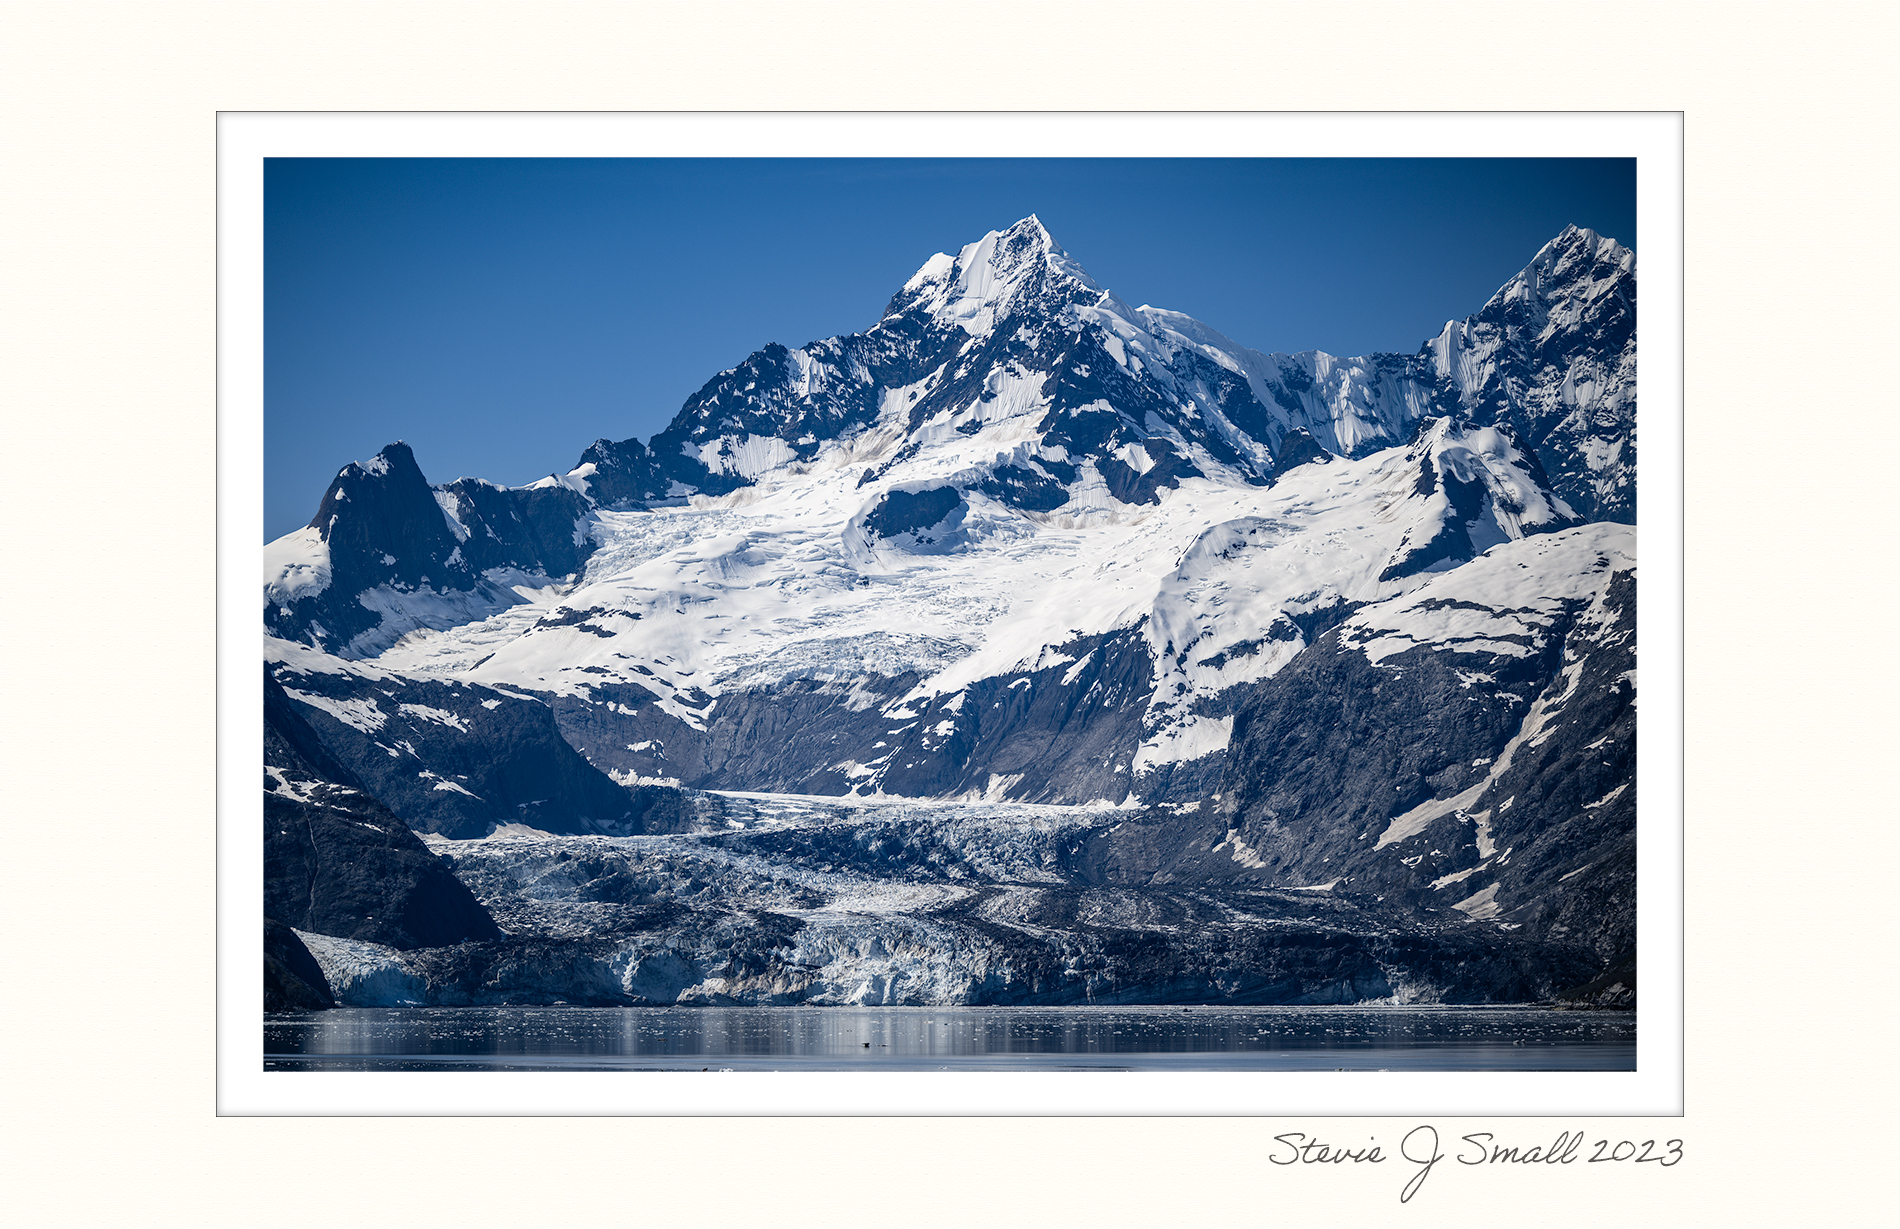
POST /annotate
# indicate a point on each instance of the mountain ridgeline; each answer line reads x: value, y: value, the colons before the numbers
x: 1118, y: 661
x: 1551, y: 357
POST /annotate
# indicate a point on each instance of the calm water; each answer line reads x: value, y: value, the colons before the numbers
x: 949, y: 1038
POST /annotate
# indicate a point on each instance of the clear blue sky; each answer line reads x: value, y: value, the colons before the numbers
x: 501, y: 314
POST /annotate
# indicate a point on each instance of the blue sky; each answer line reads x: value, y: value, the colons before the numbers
x: 501, y: 314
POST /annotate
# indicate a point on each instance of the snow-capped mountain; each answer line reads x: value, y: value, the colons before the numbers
x: 1022, y: 543
x: 1011, y: 332
x: 386, y: 553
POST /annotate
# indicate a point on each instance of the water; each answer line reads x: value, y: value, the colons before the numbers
x: 950, y: 1039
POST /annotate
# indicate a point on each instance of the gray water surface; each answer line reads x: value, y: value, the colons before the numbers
x: 949, y: 1039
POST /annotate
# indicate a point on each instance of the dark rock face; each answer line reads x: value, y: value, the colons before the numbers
x: 1167, y: 466
x: 1036, y: 487
x: 1297, y: 447
x: 531, y: 529
x: 796, y: 738
x: 906, y: 512
x: 384, y: 529
x: 1571, y: 789
x: 461, y: 759
x: 1613, y: 990
x: 1064, y: 734
x: 384, y: 506
x: 338, y: 862
x: 293, y: 748
x: 1334, y: 743
x: 293, y: 981
x: 1534, y: 767
x: 1067, y: 733
x: 625, y: 474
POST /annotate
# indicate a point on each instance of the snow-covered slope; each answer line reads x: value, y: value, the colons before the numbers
x: 1012, y: 471
x: 689, y: 622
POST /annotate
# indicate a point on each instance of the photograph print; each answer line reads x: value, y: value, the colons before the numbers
x: 802, y: 614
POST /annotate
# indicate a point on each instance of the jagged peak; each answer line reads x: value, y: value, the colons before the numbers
x: 1580, y: 240
x: 394, y: 458
x: 1576, y: 252
x: 397, y: 455
x: 391, y: 474
x: 968, y: 289
x: 1031, y: 225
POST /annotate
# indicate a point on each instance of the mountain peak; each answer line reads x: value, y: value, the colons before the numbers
x: 1027, y: 242
x: 1573, y: 262
x: 975, y: 288
x: 1588, y: 243
x: 1028, y: 225
x: 397, y: 455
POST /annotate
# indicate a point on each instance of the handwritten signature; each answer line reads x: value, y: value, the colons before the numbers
x: 1420, y: 1148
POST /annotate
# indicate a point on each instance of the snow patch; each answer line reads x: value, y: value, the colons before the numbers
x: 437, y: 716
x: 1480, y: 905
x: 363, y: 715
x: 1191, y: 739
x: 1444, y: 881
x: 296, y: 565
x: 451, y: 512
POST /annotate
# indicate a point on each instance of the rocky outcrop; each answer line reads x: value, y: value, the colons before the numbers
x: 1612, y: 990
x: 456, y: 758
x: 1445, y: 755
x: 387, y: 553
x: 1066, y: 733
x: 293, y: 980
x: 338, y: 862
x: 1553, y: 355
